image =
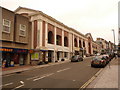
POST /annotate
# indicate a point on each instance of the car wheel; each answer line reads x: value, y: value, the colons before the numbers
x: 92, y: 65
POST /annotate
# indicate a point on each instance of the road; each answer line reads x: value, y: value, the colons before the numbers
x: 65, y: 75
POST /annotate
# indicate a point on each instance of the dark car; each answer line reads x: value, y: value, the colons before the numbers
x: 98, y: 61
x: 106, y: 57
x: 76, y: 58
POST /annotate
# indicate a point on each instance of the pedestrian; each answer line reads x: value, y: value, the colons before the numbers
x: 115, y: 55
x: 8, y: 60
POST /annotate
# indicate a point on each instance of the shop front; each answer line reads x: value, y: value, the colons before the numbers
x: 38, y: 56
x: 13, y: 56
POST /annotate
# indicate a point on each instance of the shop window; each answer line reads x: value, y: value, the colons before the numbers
x: 22, y: 31
x: 6, y: 25
x: 58, y: 40
x: 75, y: 42
x: 35, y: 56
x: 65, y: 54
x: 50, y: 37
x: 66, y: 41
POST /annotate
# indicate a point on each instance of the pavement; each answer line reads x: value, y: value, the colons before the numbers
x: 108, y: 77
x: 17, y: 69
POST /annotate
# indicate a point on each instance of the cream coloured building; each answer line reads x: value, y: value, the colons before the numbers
x: 52, y: 40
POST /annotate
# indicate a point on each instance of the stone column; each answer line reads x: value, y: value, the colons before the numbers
x: 62, y: 44
x: 40, y: 28
x: 78, y: 41
x: 73, y: 44
x: 46, y: 34
x: 55, y: 55
x: 32, y: 34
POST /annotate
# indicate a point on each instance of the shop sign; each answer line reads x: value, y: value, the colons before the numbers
x: 20, y: 51
x: 6, y: 50
x: 13, y: 50
x: 35, y: 56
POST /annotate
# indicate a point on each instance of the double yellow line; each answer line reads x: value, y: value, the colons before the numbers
x: 90, y: 80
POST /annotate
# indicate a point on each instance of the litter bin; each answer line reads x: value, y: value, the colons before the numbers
x: 62, y: 59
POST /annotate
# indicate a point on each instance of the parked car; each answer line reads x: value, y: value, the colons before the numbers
x: 76, y: 58
x: 98, y: 61
x: 106, y: 57
x: 111, y: 56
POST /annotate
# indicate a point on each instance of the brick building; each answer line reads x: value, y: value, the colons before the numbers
x: 15, y: 37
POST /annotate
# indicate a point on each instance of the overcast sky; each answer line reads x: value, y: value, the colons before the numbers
x: 97, y: 17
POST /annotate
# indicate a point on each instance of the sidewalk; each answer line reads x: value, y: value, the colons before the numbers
x: 108, y: 78
x: 10, y: 70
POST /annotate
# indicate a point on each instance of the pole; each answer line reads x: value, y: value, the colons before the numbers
x: 114, y: 38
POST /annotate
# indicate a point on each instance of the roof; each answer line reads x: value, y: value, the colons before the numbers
x: 88, y: 35
x: 51, y: 18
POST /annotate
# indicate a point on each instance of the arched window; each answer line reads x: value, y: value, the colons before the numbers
x: 83, y: 44
x: 58, y: 40
x: 80, y: 45
x: 75, y: 42
x: 50, y: 37
x: 66, y: 41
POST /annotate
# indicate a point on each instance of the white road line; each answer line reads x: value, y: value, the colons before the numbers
x: 39, y: 78
x: 18, y: 87
x: 63, y: 70
x: 6, y: 84
x: 43, y: 77
x: 32, y: 78
x: 50, y: 74
x: 7, y: 75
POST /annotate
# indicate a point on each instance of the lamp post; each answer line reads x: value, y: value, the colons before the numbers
x: 114, y: 38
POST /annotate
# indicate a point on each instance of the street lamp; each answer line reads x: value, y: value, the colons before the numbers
x: 114, y: 38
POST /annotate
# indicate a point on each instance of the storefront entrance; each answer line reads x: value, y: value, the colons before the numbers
x: 50, y: 56
x: 13, y: 56
x: 76, y: 52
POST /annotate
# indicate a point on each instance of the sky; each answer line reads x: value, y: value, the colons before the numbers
x: 97, y: 17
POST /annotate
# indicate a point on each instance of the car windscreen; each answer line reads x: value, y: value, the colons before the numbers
x: 74, y: 57
x: 96, y: 58
x: 103, y: 58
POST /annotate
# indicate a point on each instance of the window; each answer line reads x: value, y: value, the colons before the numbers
x: 80, y: 44
x: 58, y: 40
x: 75, y: 42
x: 50, y: 37
x: 66, y: 41
x: 22, y: 30
x: 83, y: 44
x: 6, y: 25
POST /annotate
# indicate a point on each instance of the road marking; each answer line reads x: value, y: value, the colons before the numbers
x: 43, y: 76
x: 8, y: 75
x: 6, y: 84
x: 18, y: 87
x: 74, y: 80
x: 90, y: 80
x: 32, y: 78
x: 63, y: 70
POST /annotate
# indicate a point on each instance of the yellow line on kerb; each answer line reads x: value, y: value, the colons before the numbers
x: 90, y: 80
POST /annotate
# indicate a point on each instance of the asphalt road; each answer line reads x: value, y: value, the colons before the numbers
x: 66, y: 75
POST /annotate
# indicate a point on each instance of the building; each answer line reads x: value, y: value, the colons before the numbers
x: 52, y: 40
x: 15, y: 37
x: 106, y: 47
x: 93, y: 47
